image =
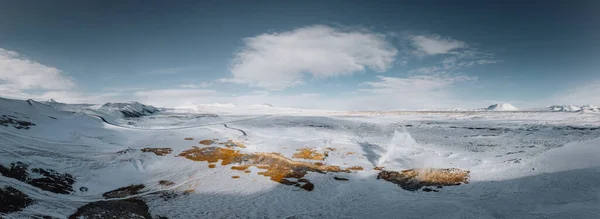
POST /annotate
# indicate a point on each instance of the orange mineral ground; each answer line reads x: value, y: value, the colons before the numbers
x: 277, y: 167
x: 309, y: 154
x: 414, y: 179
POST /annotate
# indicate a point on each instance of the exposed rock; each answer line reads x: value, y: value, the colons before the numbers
x: 166, y: 183
x: 53, y: 181
x: 415, y: 179
x: 121, y: 209
x: 340, y: 178
x: 308, y: 186
x: 13, y: 200
x: 158, y: 151
x: 430, y: 190
x: 50, y: 180
x: 18, y: 124
x: 124, y: 191
x: 16, y: 171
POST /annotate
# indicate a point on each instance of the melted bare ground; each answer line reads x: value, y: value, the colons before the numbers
x: 276, y: 166
x: 414, y: 179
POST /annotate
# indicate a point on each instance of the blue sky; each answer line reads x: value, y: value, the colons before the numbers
x: 306, y: 54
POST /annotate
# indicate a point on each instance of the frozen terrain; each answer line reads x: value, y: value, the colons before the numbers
x: 65, y: 158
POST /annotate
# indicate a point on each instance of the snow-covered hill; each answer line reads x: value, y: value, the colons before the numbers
x: 574, y: 108
x: 110, y: 111
x: 502, y: 107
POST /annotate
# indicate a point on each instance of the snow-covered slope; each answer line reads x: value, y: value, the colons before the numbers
x: 57, y: 164
x: 502, y: 107
x: 129, y: 110
x: 109, y: 111
x: 574, y: 108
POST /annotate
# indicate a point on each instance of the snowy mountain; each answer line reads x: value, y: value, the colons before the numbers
x: 502, y: 107
x: 574, y: 108
x: 111, y: 111
x: 129, y: 110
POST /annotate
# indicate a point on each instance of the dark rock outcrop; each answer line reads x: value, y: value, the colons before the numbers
x: 50, y: 180
x: 13, y: 200
x: 124, y: 191
x: 121, y: 209
x: 18, y: 124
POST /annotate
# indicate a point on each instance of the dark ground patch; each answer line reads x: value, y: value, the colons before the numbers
x: 13, y: 200
x: 158, y: 151
x: 117, y: 209
x: 124, y: 191
x: 18, y: 124
x: 50, y: 180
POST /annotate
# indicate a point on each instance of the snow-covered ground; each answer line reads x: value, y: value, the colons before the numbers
x: 522, y: 164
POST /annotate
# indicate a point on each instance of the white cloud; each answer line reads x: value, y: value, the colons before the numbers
x: 19, y: 73
x: 435, y: 45
x: 280, y: 60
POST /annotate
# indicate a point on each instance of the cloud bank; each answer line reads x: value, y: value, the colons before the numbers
x: 19, y: 73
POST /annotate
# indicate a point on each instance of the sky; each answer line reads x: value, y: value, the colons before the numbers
x: 343, y: 55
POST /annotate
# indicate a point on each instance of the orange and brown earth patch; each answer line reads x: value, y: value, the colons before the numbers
x: 158, y: 151
x: 235, y: 177
x: 165, y: 183
x: 414, y: 179
x: 276, y: 166
x: 355, y: 168
x: 228, y: 143
x: 232, y: 144
x: 207, y: 142
x: 309, y: 154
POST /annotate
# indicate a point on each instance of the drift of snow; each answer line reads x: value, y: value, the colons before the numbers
x: 502, y: 107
